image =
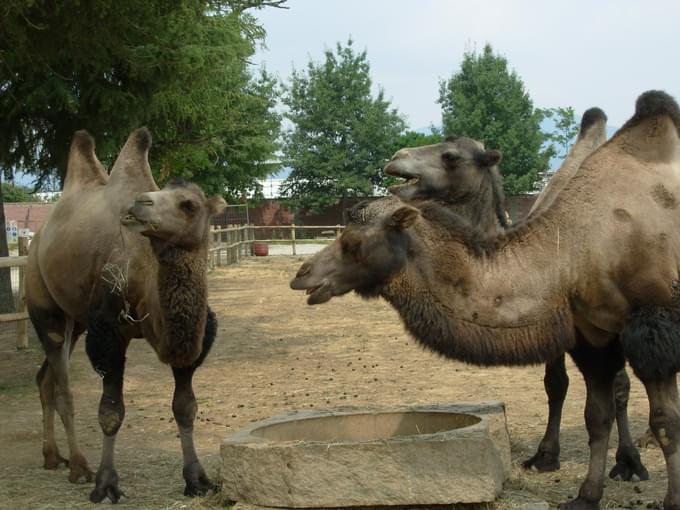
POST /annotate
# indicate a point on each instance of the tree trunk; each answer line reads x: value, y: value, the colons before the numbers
x: 7, y: 304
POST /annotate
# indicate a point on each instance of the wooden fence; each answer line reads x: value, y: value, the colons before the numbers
x: 229, y: 245
x: 20, y: 317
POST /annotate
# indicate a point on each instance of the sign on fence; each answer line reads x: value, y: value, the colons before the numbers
x: 12, y: 232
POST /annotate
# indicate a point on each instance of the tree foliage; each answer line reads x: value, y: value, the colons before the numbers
x: 341, y: 135
x: 110, y: 66
x: 487, y: 101
x: 16, y: 193
x: 565, y: 128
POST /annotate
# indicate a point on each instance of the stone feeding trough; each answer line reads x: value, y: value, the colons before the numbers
x: 423, y: 455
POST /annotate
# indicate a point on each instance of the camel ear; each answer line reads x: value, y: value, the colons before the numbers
x: 489, y: 158
x: 215, y: 205
x: 403, y: 217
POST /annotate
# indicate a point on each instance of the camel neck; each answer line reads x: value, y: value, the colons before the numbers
x: 507, y: 307
x: 482, y: 217
x: 182, y: 289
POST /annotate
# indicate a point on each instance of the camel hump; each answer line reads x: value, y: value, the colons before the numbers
x: 591, y: 117
x: 654, y: 103
x: 83, y: 169
x: 653, y: 132
x: 131, y: 169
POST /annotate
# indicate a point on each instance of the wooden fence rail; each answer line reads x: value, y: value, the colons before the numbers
x: 229, y: 245
x: 21, y: 315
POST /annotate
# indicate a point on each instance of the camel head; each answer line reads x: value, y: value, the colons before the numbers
x: 362, y: 258
x: 177, y: 215
x: 448, y: 170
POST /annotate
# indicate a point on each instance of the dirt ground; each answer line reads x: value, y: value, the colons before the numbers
x: 275, y: 354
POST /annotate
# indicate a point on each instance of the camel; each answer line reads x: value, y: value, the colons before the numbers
x: 122, y: 259
x: 463, y: 176
x: 604, y: 291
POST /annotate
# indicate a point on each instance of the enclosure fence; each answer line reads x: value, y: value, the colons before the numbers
x: 12, y: 272
x: 229, y: 245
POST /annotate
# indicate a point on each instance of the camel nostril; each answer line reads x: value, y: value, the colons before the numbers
x: 145, y: 201
x: 304, y: 270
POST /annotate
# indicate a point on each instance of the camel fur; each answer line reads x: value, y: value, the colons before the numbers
x: 599, y: 263
x: 463, y: 176
x: 122, y: 259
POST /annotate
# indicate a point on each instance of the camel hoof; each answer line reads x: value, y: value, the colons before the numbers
x: 543, y: 462
x: 647, y: 440
x: 106, y: 486
x: 198, y: 483
x: 579, y: 504
x: 79, y: 469
x: 628, y: 465
x: 53, y: 460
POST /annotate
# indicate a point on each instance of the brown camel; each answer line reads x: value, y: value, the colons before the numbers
x: 604, y: 290
x: 121, y: 259
x: 463, y: 176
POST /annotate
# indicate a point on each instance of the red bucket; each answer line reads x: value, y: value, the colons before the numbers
x: 260, y: 249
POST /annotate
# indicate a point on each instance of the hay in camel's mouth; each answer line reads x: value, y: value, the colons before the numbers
x: 130, y: 220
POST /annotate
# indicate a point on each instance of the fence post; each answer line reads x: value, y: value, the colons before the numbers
x: 292, y: 237
x: 337, y: 231
x: 22, y: 325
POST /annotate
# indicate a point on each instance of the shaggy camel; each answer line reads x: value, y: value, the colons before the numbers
x: 86, y: 271
x: 604, y: 291
x: 463, y: 176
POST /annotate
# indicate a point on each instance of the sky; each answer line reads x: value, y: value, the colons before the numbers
x: 578, y: 53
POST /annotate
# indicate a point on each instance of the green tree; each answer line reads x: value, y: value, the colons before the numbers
x: 565, y: 128
x: 416, y: 139
x: 341, y: 135
x: 486, y: 101
x: 15, y: 193
x: 109, y: 66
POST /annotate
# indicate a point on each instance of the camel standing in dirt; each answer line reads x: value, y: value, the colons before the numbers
x: 604, y: 291
x: 463, y: 176
x: 89, y: 268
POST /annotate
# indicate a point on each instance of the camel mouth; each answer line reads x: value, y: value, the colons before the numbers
x: 319, y: 294
x: 411, y: 180
x: 131, y: 221
x: 316, y: 294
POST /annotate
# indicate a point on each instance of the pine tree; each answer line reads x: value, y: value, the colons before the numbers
x: 487, y: 101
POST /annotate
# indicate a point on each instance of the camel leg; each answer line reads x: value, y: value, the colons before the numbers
x: 628, y: 463
x: 599, y: 367
x: 184, y: 409
x: 664, y: 420
x: 47, y: 389
x: 556, y: 383
x: 58, y: 354
x: 106, y: 349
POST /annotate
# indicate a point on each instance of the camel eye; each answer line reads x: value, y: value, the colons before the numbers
x: 450, y: 157
x: 188, y: 206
